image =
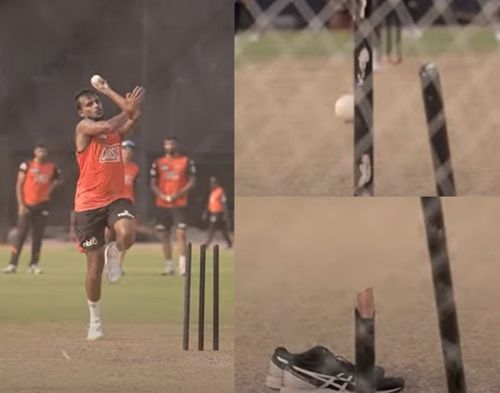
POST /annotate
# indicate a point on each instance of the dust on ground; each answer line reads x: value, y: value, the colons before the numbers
x: 288, y: 141
x: 54, y: 358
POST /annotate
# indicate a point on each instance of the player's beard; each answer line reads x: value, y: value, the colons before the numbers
x: 98, y: 114
x: 97, y: 117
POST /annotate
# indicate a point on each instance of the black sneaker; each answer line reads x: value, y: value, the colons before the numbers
x: 300, y: 380
x: 317, y: 359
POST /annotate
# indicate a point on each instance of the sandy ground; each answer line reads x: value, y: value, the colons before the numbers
x: 52, y: 358
x: 301, y: 260
x: 288, y: 141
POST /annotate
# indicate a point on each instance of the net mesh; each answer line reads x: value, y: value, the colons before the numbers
x: 294, y: 59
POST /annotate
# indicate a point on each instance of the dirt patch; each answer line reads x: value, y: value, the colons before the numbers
x: 301, y: 261
x: 288, y: 141
x: 46, y: 358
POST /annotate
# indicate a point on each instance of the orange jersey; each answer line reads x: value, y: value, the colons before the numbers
x: 101, y: 179
x: 216, y: 200
x: 171, y: 175
x: 38, y: 181
x: 131, y: 171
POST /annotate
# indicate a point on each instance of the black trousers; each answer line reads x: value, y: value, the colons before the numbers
x: 218, y: 222
x: 36, y: 220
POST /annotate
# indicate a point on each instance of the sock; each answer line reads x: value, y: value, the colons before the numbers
x: 14, y: 257
x: 169, y: 264
x: 182, y: 263
x: 95, y: 311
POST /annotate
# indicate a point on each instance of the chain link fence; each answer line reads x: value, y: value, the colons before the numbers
x: 294, y: 59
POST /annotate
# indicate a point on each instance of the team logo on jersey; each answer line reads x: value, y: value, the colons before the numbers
x: 171, y: 175
x: 110, y: 153
x: 42, y: 178
x: 169, y: 172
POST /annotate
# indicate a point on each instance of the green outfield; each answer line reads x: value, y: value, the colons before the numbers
x: 327, y: 43
x: 142, y: 297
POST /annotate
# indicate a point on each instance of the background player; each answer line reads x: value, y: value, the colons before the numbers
x: 217, y: 213
x: 172, y: 176
x: 99, y: 199
x: 131, y: 176
x: 36, y: 179
x: 131, y: 169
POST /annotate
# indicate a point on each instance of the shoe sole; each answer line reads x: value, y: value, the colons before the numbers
x: 295, y: 384
x: 95, y: 338
x: 276, y: 376
x: 113, y: 280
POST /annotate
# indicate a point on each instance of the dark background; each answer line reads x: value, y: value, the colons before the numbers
x: 181, y: 51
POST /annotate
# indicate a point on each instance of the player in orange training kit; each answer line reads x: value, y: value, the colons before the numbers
x: 100, y: 199
x: 172, y: 177
x: 131, y: 172
x: 36, y: 179
x: 217, y: 213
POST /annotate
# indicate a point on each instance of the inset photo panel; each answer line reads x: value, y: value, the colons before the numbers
x: 378, y: 97
x: 367, y: 295
x: 116, y: 196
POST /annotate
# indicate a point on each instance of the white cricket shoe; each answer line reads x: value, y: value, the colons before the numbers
x: 35, y: 269
x: 169, y: 269
x: 112, y: 263
x: 95, y: 331
x: 9, y: 269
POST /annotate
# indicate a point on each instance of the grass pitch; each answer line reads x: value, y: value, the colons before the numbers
x: 142, y: 297
x: 327, y: 43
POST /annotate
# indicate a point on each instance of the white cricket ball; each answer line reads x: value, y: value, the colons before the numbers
x: 96, y: 80
x: 344, y: 107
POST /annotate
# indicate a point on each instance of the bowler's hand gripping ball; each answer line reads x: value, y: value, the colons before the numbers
x: 98, y: 82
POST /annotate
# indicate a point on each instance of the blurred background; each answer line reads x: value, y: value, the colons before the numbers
x: 181, y: 52
x: 294, y: 59
x: 286, y: 14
